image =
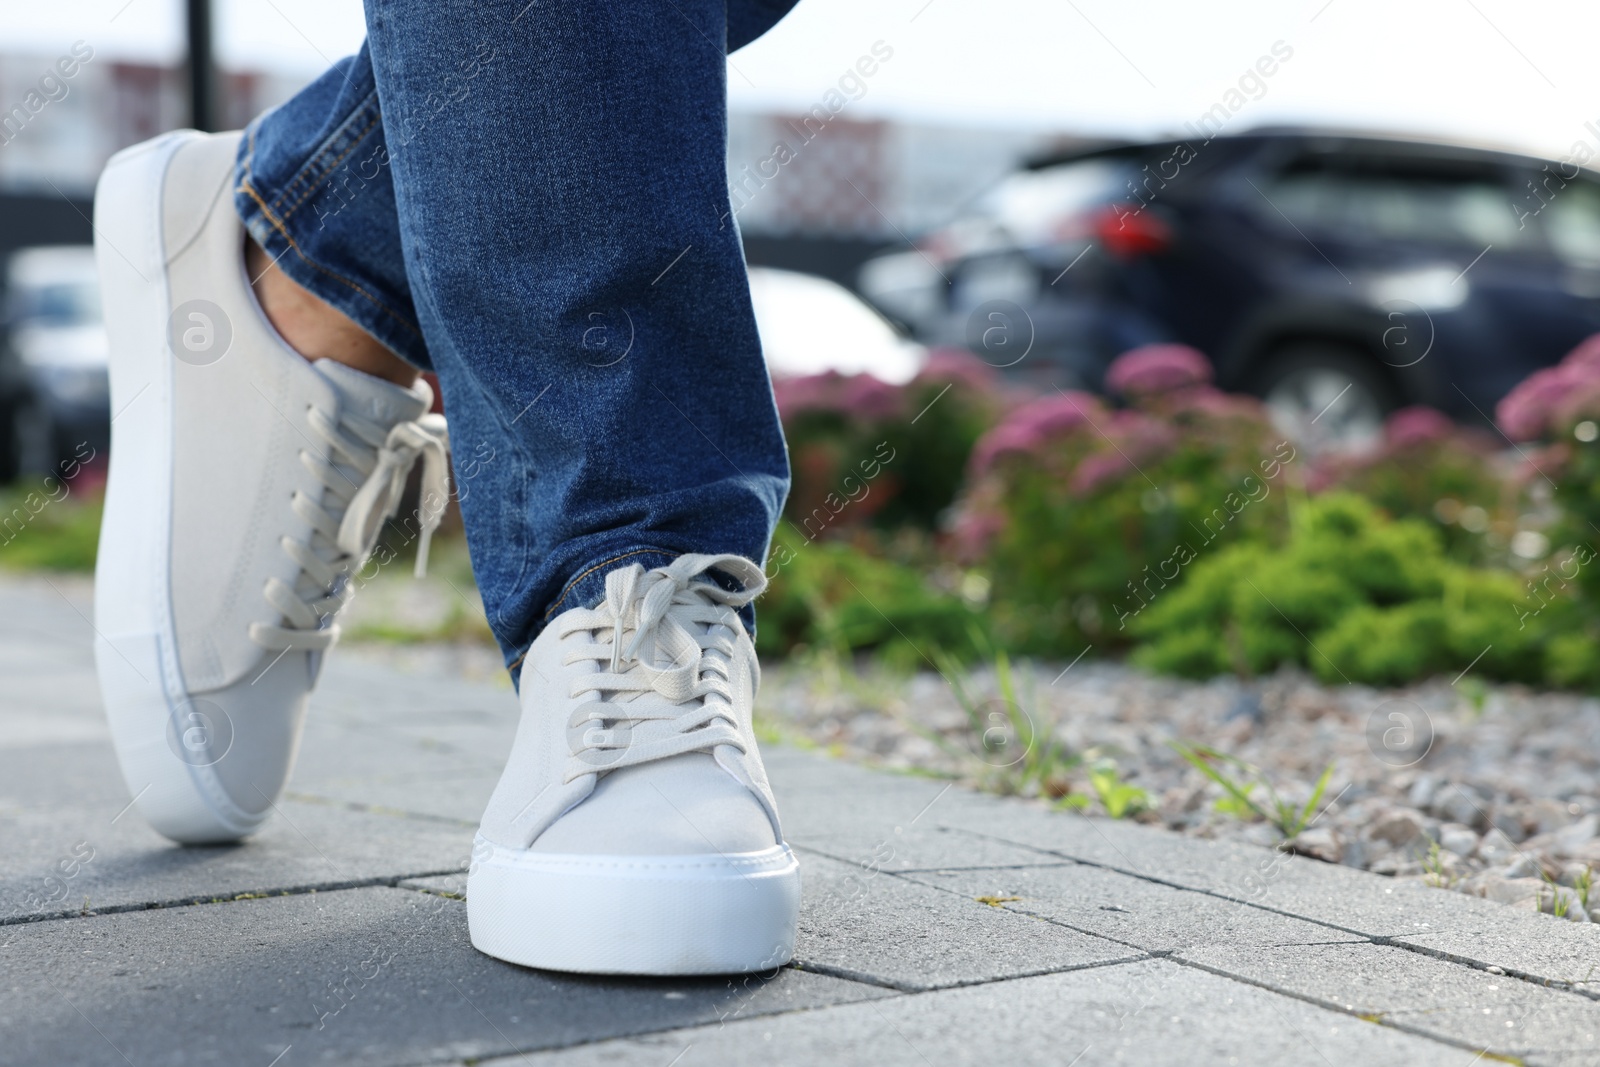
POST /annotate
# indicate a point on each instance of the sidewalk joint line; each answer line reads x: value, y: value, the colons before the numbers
x: 1338, y: 1009
x: 304, y: 889
x: 1383, y: 940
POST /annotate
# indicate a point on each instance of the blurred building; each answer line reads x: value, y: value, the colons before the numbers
x: 106, y: 106
x: 817, y: 192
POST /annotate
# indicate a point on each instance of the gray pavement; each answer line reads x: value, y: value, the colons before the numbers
x: 938, y: 926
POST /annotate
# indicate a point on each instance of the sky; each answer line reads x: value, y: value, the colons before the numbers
x: 1502, y: 72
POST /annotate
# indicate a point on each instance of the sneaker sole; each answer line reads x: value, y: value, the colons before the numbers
x: 645, y: 915
x: 136, y: 657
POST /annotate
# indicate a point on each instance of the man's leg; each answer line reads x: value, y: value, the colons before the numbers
x: 559, y: 177
x: 570, y: 268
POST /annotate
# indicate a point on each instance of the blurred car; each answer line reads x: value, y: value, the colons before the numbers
x: 55, y: 399
x: 1338, y: 276
x: 809, y: 325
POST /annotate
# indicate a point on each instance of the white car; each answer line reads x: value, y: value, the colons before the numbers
x: 809, y: 325
x: 60, y: 402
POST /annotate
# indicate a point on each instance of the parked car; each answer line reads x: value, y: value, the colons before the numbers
x: 810, y: 324
x: 54, y: 388
x: 1338, y: 276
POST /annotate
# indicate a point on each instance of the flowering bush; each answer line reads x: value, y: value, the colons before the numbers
x: 1083, y: 515
x: 1550, y: 402
x: 862, y: 451
x: 1557, y: 410
x: 1429, y: 468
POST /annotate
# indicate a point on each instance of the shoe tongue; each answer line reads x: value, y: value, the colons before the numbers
x: 384, y: 403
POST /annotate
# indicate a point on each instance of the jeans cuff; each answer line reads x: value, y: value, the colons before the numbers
x: 274, y: 213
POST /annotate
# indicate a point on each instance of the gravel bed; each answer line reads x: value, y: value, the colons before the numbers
x: 1487, y: 790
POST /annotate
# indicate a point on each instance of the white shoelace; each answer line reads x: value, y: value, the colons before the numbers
x: 677, y: 699
x: 363, y: 475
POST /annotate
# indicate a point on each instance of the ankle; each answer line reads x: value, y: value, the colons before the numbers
x: 316, y: 329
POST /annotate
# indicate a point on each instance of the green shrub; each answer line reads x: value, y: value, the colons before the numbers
x: 53, y: 526
x: 836, y: 596
x: 1353, y: 596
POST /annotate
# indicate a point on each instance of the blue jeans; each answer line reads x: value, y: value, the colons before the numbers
x: 531, y: 200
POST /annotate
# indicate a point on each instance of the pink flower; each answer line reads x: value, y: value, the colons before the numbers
x: 856, y: 396
x: 1152, y: 369
x: 1140, y: 436
x: 811, y: 392
x: 974, y: 530
x: 1009, y: 439
x: 1098, y: 471
x: 1526, y: 412
x: 864, y: 397
x: 1027, y: 428
x: 958, y: 366
x: 1547, y: 400
x: 1416, y: 425
x: 1586, y: 354
x: 1059, y: 413
x: 1581, y: 401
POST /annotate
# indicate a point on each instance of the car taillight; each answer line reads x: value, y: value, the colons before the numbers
x: 1128, y: 230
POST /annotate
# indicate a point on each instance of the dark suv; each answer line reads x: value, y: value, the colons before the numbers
x: 1337, y: 276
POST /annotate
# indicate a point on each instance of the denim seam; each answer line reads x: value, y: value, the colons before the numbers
x: 246, y: 188
x: 312, y: 183
x: 334, y: 142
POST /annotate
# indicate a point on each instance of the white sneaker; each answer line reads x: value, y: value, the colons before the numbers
x: 633, y: 831
x: 246, y: 485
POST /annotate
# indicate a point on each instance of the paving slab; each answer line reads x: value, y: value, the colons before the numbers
x: 883, y: 821
x: 75, y: 860
x: 882, y: 928
x: 1506, y: 1016
x: 1131, y: 911
x: 1503, y: 1014
x: 1522, y: 942
x: 369, y: 976
x: 1152, y: 1013
x: 407, y: 743
x: 1478, y: 932
x: 70, y: 843
x: 47, y: 660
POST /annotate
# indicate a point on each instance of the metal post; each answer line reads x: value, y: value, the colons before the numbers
x: 202, y: 68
